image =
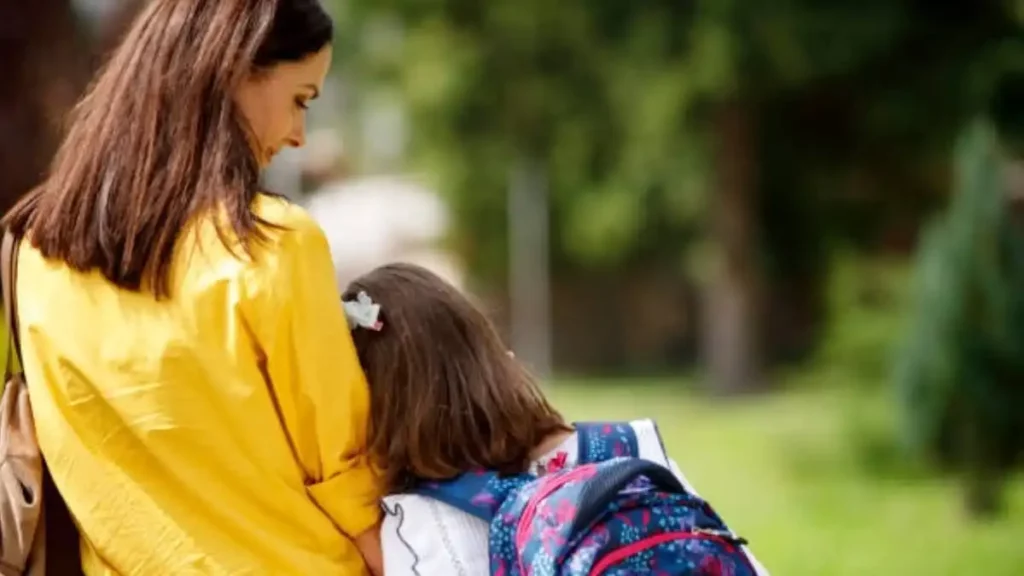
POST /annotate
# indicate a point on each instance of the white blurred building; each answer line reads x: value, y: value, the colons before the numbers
x: 376, y: 220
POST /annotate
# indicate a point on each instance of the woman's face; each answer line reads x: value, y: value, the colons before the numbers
x: 273, y: 102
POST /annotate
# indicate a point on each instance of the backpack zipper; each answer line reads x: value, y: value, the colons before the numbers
x: 620, y: 554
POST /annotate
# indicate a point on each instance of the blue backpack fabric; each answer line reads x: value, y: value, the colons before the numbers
x: 614, y: 514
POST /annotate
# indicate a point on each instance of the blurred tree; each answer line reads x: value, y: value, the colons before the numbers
x: 960, y: 374
x: 48, y: 53
x: 44, y: 67
x: 852, y: 107
x: 735, y: 139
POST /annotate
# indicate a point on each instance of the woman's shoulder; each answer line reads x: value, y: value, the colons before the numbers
x: 292, y: 245
x: 282, y: 213
x: 290, y: 235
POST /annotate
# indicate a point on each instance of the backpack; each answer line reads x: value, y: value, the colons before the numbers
x: 614, y: 514
x: 34, y: 539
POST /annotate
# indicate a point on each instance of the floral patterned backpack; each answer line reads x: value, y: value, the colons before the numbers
x: 612, y: 515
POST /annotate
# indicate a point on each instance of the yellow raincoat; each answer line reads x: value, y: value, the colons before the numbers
x: 218, y: 432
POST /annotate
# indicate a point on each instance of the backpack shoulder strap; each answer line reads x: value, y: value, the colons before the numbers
x: 9, y: 279
x: 608, y: 481
x: 600, y: 441
x: 477, y: 493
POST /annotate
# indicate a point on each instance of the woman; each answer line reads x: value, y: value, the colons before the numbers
x: 196, y: 392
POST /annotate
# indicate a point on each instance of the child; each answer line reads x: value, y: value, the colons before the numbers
x: 448, y: 398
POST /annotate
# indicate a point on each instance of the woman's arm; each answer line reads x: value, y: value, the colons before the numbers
x: 370, y: 547
x: 322, y: 397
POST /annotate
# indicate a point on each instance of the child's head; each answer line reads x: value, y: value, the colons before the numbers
x: 446, y: 395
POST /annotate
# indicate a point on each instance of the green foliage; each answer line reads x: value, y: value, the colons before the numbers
x: 961, y: 371
x: 786, y: 474
x: 610, y: 97
x: 867, y: 309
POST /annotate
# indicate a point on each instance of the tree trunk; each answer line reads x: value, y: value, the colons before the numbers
x: 981, y: 478
x: 529, y: 266
x: 44, y: 69
x: 733, y: 303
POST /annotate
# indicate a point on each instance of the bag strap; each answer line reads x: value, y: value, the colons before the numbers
x: 600, y: 441
x: 479, y: 494
x: 610, y: 479
x: 9, y: 279
x: 57, y: 529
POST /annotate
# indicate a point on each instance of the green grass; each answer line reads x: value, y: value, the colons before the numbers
x: 784, y: 472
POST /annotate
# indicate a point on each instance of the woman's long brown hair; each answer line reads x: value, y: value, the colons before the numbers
x: 158, y: 139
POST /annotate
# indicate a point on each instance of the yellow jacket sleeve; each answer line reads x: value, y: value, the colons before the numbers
x: 314, y: 373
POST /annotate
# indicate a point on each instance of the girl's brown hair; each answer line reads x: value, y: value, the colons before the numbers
x: 158, y: 139
x: 446, y: 396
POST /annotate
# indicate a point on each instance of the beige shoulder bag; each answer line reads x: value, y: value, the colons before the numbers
x: 33, y: 540
x: 21, y: 464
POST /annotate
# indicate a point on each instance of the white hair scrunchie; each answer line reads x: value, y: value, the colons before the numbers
x: 363, y: 312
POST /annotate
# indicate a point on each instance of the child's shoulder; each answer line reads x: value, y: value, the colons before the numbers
x: 420, y: 535
x: 564, y: 455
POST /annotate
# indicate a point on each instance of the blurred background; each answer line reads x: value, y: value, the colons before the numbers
x: 791, y: 231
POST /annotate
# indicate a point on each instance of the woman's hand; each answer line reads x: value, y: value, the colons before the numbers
x: 369, y: 546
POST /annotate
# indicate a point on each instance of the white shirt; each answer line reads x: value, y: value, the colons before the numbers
x: 423, y: 537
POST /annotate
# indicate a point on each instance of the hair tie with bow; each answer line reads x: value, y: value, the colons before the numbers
x: 363, y: 312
